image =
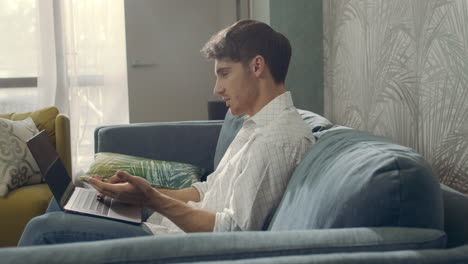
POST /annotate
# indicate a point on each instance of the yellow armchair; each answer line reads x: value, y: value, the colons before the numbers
x: 24, y: 203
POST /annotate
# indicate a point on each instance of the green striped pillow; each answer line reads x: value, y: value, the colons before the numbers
x: 166, y: 174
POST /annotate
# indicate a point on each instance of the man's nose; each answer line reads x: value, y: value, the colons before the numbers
x: 217, y: 90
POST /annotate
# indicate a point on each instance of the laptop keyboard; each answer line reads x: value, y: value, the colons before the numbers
x: 88, y: 201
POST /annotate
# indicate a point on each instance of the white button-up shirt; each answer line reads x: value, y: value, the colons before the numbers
x: 251, y: 178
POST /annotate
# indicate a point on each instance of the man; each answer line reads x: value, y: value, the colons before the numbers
x: 251, y: 63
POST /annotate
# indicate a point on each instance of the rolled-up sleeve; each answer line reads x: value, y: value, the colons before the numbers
x: 201, y: 187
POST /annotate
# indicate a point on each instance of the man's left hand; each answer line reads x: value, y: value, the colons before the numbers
x: 126, y: 188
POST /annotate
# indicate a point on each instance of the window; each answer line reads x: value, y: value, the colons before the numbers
x: 18, y: 55
x: 67, y: 53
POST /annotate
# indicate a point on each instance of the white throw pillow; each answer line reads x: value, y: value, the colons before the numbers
x: 17, y: 166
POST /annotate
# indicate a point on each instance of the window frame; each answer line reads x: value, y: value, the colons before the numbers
x: 18, y: 82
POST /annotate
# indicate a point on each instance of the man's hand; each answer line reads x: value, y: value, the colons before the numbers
x: 125, y: 187
x: 131, y: 189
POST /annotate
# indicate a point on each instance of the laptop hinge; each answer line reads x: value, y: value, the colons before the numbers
x: 67, y: 194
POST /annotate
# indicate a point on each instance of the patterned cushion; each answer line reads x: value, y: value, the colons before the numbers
x: 165, y: 174
x: 17, y: 166
x: 43, y: 118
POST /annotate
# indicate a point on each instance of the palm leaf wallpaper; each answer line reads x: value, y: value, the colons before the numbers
x: 400, y: 69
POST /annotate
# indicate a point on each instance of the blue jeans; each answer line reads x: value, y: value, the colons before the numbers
x: 56, y: 226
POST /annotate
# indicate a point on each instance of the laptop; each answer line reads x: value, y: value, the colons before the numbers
x: 70, y: 197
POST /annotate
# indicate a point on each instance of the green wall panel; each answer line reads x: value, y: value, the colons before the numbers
x: 301, y: 22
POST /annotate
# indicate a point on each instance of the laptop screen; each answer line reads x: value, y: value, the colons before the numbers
x: 42, y: 150
x: 51, y: 166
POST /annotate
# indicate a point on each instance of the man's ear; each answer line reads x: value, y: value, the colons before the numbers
x: 258, y: 65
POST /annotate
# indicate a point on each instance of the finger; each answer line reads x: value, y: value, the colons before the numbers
x: 114, y: 179
x: 104, y: 189
x: 105, y: 193
x: 90, y: 180
x: 97, y: 184
x: 134, y: 180
x: 124, y: 176
x: 97, y: 177
x: 138, y: 182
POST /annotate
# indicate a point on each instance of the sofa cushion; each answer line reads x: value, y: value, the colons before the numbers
x: 17, y: 166
x: 18, y: 207
x: 353, y: 179
x: 166, y: 174
x: 232, y: 124
x: 7, y: 116
x: 315, y: 121
x: 43, y: 118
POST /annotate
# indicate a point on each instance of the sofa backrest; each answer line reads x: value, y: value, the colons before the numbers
x: 232, y: 124
x: 455, y: 217
x: 354, y: 179
x: 351, y: 178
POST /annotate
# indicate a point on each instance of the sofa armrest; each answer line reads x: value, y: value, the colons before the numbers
x: 192, y: 142
x: 63, y: 140
x: 229, y: 246
x: 428, y: 256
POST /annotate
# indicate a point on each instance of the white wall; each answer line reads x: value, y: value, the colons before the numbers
x: 168, y: 35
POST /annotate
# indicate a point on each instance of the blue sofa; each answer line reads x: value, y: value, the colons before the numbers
x: 355, y: 198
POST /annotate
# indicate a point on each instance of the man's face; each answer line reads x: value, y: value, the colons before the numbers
x: 236, y: 84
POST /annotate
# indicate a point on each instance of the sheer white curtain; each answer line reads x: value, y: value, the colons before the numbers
x: 83, y: 67
x: 46, y: 79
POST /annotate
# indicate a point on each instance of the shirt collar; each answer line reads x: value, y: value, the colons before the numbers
x: 270, y: 111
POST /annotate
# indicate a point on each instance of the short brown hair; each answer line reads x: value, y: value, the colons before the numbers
x: 246, y: 39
